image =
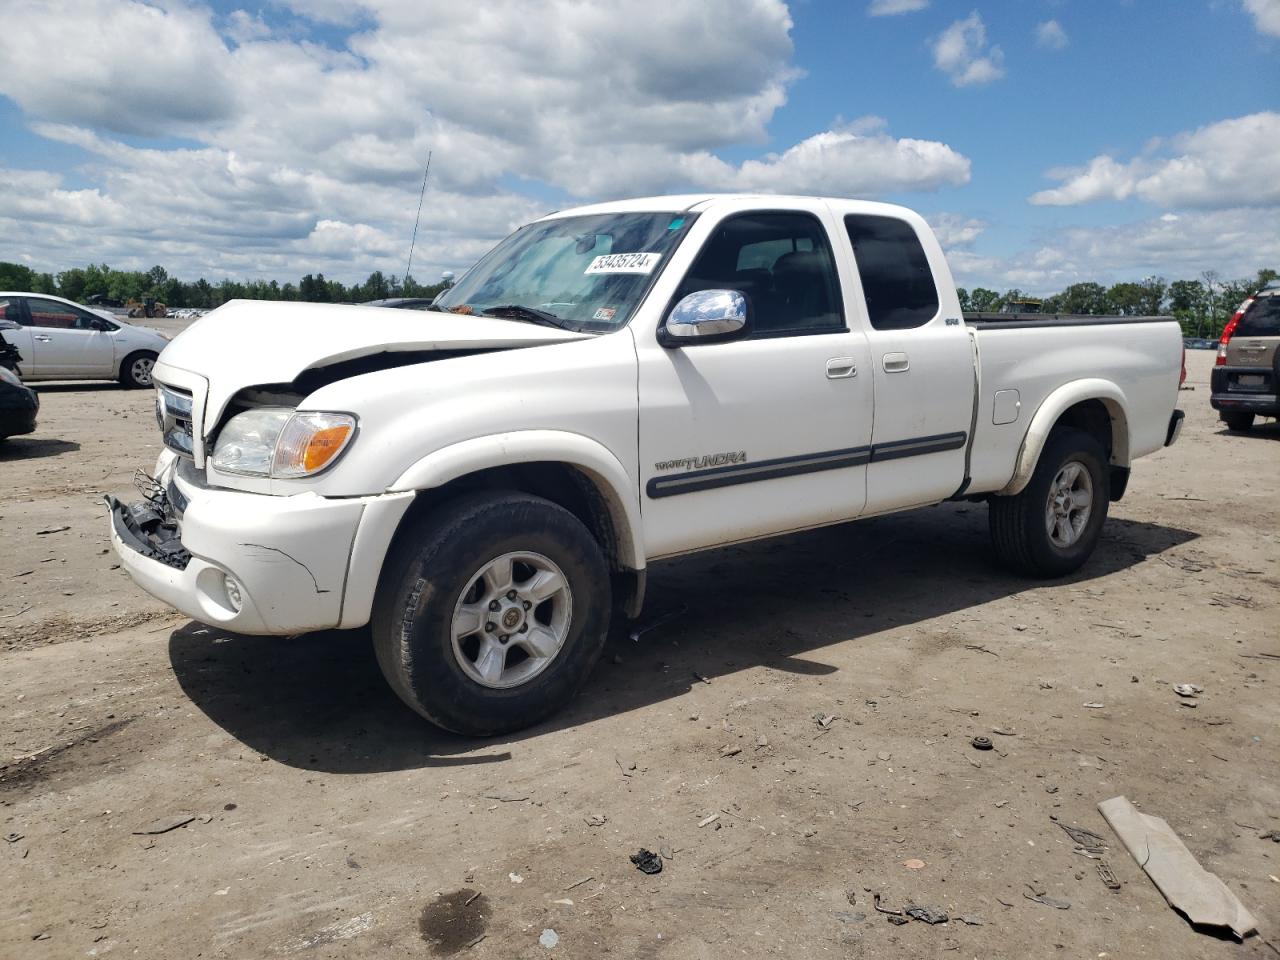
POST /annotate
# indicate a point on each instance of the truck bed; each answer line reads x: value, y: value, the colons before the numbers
x: 1026, y: 320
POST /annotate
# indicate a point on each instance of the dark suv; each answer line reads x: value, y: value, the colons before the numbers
x: 1246, y: 377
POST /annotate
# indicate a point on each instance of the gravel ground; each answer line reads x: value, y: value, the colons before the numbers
x: 796, y: 739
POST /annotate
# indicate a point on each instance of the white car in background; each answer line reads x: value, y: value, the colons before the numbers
x: 61, y: 340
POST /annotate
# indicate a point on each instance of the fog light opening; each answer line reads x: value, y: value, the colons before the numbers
x: 233, y: 593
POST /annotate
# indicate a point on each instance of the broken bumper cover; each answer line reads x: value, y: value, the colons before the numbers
x: 254, y: 563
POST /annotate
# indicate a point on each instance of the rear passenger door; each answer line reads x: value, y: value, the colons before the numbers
x: 922, y: 363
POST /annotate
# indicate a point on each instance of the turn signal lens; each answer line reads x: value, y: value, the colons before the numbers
x: 310, y: 442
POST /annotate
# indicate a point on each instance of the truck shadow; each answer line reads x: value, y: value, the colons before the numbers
x: 1264, y: 430
x: 319, y: 701
x: 33, y: 448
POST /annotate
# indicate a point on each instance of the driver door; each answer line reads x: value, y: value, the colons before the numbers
x: 771, y: 432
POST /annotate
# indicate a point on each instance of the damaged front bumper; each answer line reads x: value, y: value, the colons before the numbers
x: 254, y: 563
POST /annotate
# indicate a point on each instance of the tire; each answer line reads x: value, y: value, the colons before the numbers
x: 1028, y: 530
x: 434, y: 587
x: 135, y: 370
x: 1238, y: 421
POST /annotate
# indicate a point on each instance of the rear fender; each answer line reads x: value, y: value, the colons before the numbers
x: 1051, y: 410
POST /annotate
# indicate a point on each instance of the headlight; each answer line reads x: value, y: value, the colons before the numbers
x: 277, y: 442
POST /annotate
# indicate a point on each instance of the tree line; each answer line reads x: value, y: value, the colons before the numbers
x: 1203, y: 306
x: 81, y: 283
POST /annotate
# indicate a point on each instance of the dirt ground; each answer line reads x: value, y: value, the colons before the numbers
x: 797, y: 738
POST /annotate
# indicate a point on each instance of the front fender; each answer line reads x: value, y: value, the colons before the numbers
x: 534, y: 446
x: 1046, y: 417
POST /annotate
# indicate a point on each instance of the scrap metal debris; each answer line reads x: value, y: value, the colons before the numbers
x: 875, y: 902
x: 982, y: 743
x: 1087, y: 839
x: 971, y: 921
x: 1188, y: 689
x: 165, y: 825
x: 647, y: 861
x: 1039, y: 897
x: 1190, y: 889
x: 640, y: 629
x: 1107, y: 876
x: 927, y: 914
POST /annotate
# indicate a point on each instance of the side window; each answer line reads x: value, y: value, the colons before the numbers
x: 50, y: 313
x: 782, y: 263
x: 10, y: 310
x: 896, y: 278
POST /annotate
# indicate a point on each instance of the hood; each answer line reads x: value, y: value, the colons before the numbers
x: 248, y: 343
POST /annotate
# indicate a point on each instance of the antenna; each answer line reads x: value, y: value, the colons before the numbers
x: 417, y: 218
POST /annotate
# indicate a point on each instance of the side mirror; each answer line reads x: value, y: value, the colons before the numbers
x: 706, y: 316
x: 100, y: 325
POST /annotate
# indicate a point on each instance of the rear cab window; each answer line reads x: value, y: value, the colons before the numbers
x: 897, y: 281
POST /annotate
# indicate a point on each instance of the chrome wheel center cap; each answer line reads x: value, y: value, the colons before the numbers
x: 511, y: 619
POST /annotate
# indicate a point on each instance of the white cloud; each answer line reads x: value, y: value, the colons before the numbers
x: 1266, y: 15
x: 301, y: 156
x: 126, y: 67
x: 1231, y: 162
x: 955, y: 231
x: 962, y: 53
x: 1172, y: 245
x: 892, y: 8
x: 1051, y: 35
x: 838, y: 163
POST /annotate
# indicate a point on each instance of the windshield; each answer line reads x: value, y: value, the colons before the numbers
x: 585, y: 273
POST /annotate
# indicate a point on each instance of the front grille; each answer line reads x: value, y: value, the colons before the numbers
x: 173, y: 414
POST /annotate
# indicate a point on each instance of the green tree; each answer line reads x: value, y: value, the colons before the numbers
x: 1154, y: 291
x: 1125, y: 299
x: 15, y: 276
x: 983, y: 300
x: 1087, y: 299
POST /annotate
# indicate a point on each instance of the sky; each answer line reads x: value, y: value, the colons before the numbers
x: 1047, y: 141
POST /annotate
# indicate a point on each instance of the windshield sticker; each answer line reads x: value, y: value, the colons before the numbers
x: 624, y: 263
x: 676, y: 224
x: 604, y: 313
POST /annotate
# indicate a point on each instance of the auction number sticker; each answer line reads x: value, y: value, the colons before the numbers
x: 624, y: 263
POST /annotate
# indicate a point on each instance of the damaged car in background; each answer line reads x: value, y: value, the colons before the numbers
x: 18, y: 402
x: 486, y: 483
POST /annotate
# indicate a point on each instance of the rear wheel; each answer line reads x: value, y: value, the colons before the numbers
x: 491, y: 612
x: 135, y: 371
x: 1238, y: 421
x: 1051, y: 528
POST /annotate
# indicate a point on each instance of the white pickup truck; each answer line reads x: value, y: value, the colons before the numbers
x: 486, y: 483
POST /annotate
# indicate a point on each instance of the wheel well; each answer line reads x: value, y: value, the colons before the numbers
x: 561, y: 483
x: 1096, y: 418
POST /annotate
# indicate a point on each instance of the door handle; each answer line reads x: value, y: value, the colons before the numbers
x: 841, y: 368
x: 896, y: 363
x: 44, y: 339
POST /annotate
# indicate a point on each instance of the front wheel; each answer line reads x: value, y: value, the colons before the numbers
x: 135, y: 371
x: 1238, y: 421
x: 1051, y: 528
x: 491, y: 612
